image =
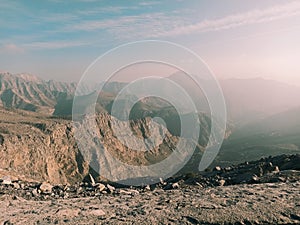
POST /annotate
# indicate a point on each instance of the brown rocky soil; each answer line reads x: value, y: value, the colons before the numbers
x: 266, y: 191
x: 270, y: 203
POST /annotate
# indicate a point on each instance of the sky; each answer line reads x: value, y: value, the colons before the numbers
x: 58, y: 39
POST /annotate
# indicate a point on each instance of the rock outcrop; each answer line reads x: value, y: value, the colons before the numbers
x: 45, y: 149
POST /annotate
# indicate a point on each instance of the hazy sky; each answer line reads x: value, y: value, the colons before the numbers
x: 58, y: 39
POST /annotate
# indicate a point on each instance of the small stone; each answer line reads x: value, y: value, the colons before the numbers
x: 111, y: 188
x: 6, y: 180
x: 96, y: 212
x: 45, y: 188
x: 228, y: 168
x: 92, y: 180
x: 175, y: 186
x: 101, y: 187
x: 198, y: 184
x: 34, y: 192
x: 124, y: 192
x: 276, y: 169
x: 148, y: 188
x: 218, y: 168
x: 17, y: 186
x: 162, y: 181
x: 255, y: 178
x: 134, y: 192
x: 222, y: 182
x: 66, y: 195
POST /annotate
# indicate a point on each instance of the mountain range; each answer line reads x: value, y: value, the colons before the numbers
x: 37, y: 136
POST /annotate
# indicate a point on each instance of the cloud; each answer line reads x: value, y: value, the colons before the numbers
x: 106, y: 9
x: 149, y: 3
x: 11, y: 49
x: 130, y: 26
x: 157, y: 25
x: 236, y: 20
x: 55, y: 44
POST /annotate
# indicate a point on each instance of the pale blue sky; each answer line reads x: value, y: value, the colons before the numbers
x: 58, y: 39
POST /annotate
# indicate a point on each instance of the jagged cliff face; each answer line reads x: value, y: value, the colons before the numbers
x: 45, y: 149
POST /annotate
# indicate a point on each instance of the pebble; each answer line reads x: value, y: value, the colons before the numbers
x: 222, y: 182
x: 175, y: 186
x: 96, y: 212
x: 101, y: 187
x: 6, y: 180
x: 218, y: 168
x: 46, y: 188
x: 110, y: 188
x: 148, y: 188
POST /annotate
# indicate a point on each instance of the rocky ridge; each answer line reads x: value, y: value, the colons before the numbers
x: 45, y: 149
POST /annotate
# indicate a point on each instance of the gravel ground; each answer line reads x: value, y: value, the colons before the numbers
x: 268, y: 203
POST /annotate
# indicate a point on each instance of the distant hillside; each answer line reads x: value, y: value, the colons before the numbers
x: 30, y: 93
x: 253, y: 99
x: 247, y: 100
x: 273, y: 135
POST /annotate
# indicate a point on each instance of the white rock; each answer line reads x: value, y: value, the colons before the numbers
x: 92, y: 180
x: 101, y: 187
x: 218, y: 168
x: 46, y: 188
x: 175, y: 186
x: 125, y: 192
x: 6, y: 180
x: 276, y: 169
x: 148, y: 188
x: 134, y: 192
x: 16, y: 186
x: 222, y: 182
x: 97, y: 212
x: 34, y: 192
x: 162, y: 181
x: 111, y: 188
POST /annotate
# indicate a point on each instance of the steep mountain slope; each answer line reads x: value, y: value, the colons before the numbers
x: 45, y: 148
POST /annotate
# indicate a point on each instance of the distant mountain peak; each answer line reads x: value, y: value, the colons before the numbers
x: 28, y: 77
x: 24, y: 76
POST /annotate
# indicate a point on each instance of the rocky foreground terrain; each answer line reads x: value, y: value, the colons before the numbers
x: 266, y: 191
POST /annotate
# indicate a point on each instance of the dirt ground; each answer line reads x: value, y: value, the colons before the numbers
x: 269, y: 203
